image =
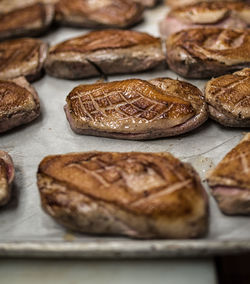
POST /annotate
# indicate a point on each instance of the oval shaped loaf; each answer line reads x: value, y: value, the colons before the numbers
x: 230, y: 180
x: 223, y: 14
x: 98, y: 13
x: 228, y: 99
x: 208, y: 52
x: 19, y: 103
x: 136, y: 109
x: 26, y: 21
x: 22, y: 57
x: 104, y: 52
x: 140, y: 195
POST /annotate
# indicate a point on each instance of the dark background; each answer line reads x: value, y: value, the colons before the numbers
x: 233, y: 269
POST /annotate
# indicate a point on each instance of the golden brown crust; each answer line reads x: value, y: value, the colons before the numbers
x: 110, y: 13
x: 135, y: 107
x: 19, y: 103
x: 117, y: 94
x: 230, y: 180
x: 21, y: 57
x: 213, y: 5
x: 211, y: 12
x: 229, y: 95
x: 7, y: 173
x: 107, y: 39
x: 7, y: 6
x: 181, y: 3
x: 105, y: 52
x: 227, y: 46
x: 22, y: 17
x: 26, y: 21
x: 15, y: 52
x: 13, y: 97
x: 154, y: 186
x: 244, y: 72
x: 234, y: 169
x: 147, y: 3
x: 209, y: 51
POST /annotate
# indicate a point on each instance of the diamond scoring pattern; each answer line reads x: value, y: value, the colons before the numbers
x: 100, y: 103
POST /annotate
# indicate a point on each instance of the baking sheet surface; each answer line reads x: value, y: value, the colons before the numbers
x: 24, y: 223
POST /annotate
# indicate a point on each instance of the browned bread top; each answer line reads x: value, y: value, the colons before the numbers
x: 119, y: 13
x: 147, y: 3
x: 21, y: 18
x: 227, y: 46
x: 15, y: 51
x: 22, y: 56
x: 105, y: 39
x: 234, y: 169
x: 142, y: 183
x: 230, y: 94
x: 15, y: 99
x: 130, y: 105
x: 181, y: 3
x: 211, y: 12
x: 7, y: 5
x: 7, y: 173
x: 7, y: 163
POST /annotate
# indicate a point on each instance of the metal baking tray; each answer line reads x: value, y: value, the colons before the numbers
x: 25, y: 230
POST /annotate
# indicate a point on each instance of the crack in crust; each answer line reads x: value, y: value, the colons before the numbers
x: 106, y: 52
x: 144, y: 194
x: 201, y: 53
x: 228, y: 97
x: 135, y: 107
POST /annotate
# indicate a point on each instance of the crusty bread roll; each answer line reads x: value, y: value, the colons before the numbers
x: 136, y: 109
x: 104, y: 52
x: 204, y: 53
x: 230, y: 180
x: 228, y: 99
x: 140, y: 195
